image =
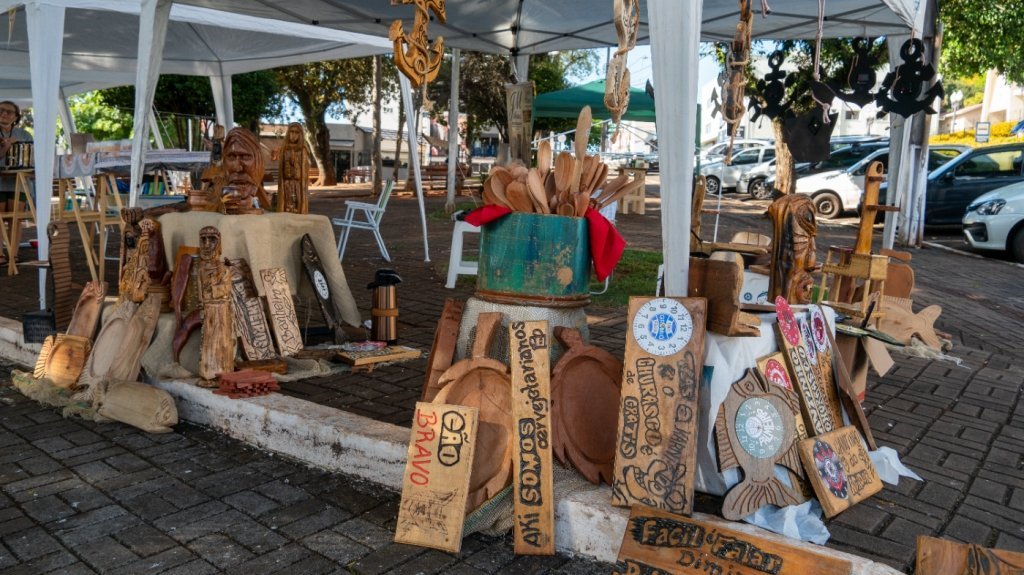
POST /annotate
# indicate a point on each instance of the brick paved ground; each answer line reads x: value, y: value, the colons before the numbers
x: 961, y: 428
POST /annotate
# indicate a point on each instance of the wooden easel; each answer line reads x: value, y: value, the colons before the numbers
x: 22, y: 192
x: 99, y: 215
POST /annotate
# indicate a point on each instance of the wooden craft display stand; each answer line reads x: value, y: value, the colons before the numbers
x: 633, y: 202
x: 101, y: 214
x: 9, y: 221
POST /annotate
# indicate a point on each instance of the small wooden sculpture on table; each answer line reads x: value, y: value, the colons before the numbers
x: 793, y: 249
x: 134, y: 281
x: 243, y: 168
x: 293, y: 173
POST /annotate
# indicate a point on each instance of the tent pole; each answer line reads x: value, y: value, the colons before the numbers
x: 152, y: 33
x: 675, y: 50
x: 222, y: 100
x: 154, y: 127
x: 414, y: 156
x: 453, y: 130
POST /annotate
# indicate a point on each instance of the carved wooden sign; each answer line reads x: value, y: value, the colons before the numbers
x: 940, y: 556
x: 533, y: 482
x: 315, y: 272
x: 839, y: 469
x: 443, y: 350
x: 657, y: 430
x: 659, y: 543
x: 773, y: 369
x: 250, y: 321
x: 755, y: 430
x: 819, y: 412
x: 435, y: 485
x: 282, y: 311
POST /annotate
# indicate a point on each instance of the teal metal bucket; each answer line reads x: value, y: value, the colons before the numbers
x: 535, y: 259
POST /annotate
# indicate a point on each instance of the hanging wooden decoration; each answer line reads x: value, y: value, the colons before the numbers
x: 839, y: 469
x: 734, y: 84
x: 656, y: 456
x: 861, y: 79
x: 626, y: 15
x: 415, y: 56
x: 808, y: 134
x: 754, y: 430
x: 772, y: 90
x: 903, y: 90
x: 819, y: 413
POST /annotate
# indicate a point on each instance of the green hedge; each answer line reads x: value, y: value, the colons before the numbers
x: 999, y: 133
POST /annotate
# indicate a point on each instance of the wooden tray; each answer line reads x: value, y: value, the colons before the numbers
x: 585, y: 389
x: 484, y: 383
x: 62, y: 359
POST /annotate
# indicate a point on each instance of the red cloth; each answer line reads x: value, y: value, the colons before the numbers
x: 606, y: 245
x: 486, y: 214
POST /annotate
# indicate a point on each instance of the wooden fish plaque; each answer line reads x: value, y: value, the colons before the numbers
x: 820, y: 413
x: 659, y: 543
x: 532, y: 483
x: 436, y: 480
x: 282, y: 311
x: 839, y: 469
x: 250, y: 321
x: 656, y: 457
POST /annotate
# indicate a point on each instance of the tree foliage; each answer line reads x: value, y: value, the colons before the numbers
x: 980, y: 35
x: 94, y: 117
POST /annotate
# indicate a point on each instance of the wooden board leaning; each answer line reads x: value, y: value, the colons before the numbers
x: 818, y: 413
x: 839, y: 469
x: 250, y: 321
x: 282, y: 317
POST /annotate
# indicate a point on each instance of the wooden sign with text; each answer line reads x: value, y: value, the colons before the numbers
x: 436, y: 480
x: 533, y: 482
x: 657, y: 543
x: 839, y: 469
x: 250, y: 321
x: 818, y: 413
x: 656, y: 457
x: 282, y: 311
x: 941, y: 556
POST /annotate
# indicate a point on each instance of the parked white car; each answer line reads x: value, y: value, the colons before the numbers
x: 836, y: 191
x: 995, y: 221
x: 717, y: 151
x: 720, y: 176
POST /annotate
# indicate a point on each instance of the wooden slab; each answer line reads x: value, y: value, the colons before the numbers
x: 657, y: 543
x: 484, y: 383
x: 533, y: 480
x: 435, y: 485
x: 273, y: 365
x: 721, y: 282
x: 87, y: 311
x: 109, y: 342
x: 901, y: 323
x: 818, y: 414
x: 657, y: 431
x: 60, y: 274
x: 755, y: 431
x: 315, y: 272
x: 848, y: 395
x: 815, y: 330
x: 282, y: 311
x: 443, y: 350
x: 367, y: 359
x: 942, y: 557
x: 839, y: 469
x: 249, y: 320
x: 585, y: 389
x: 136, y: 340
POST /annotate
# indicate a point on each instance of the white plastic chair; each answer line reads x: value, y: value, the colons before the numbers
x: 364, y: 216
x: 456, y: 265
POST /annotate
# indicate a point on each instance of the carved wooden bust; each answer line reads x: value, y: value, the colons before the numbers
x: 793, y: 250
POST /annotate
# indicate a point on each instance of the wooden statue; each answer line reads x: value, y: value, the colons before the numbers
x: 130, y: 234
x: 134, y: 282
x: 243, y: 173
x: 414, y: 55
x: 293, y: 173
x: 793, y: 250
x: 207, y: 198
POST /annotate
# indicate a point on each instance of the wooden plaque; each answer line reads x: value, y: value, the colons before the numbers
x: 443, y: 350
x: 374, y: 356
x: 282, y: 311
x: 315, y: 272
x: 755, y: 430
x: 818, y: 413
x: 532, y: 483
x: 773, y: 369
x: 657, y: 543
x: 87, y: 312
x: 839, y: 469
x: 250, y: 321
x: 849, y: 397
x: 942, y: 557
x: 815, y: 330
x: 435, y: 485
x: 657, y: 430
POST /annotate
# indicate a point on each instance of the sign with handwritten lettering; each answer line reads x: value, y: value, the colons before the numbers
x: 250, y: 322
x: 533, y: 485
x: 656, y: 450
x: 436, y: 480
x: 282, y: 311
x: 820, y: 408
x: 839, y: 469
x: 657, y: 543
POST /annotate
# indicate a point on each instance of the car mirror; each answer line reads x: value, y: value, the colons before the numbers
x: 949, y: 176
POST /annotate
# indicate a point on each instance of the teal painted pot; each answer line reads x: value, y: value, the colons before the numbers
x: 535, y: 259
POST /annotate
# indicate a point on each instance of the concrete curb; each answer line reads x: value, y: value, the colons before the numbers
x: 585, y: 521
x: 970, y: 254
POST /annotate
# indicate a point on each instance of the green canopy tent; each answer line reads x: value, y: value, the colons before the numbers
x: 568, y: 102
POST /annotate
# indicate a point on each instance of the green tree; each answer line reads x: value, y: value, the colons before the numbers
x: 94, y: 117
x: 981, y: 35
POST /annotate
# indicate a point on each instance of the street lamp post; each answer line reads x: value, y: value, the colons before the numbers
x: 954, y: 100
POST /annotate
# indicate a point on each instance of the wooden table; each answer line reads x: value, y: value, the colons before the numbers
x: 633, y: 202
x: 10, y: 221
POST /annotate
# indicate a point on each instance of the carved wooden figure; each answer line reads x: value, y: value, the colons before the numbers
x: 117, y: 354
x: 839, y: 469
x: 793, y: 249
x: 820, y: 405
x: 250, y: 321
x: 243, y: 173
x: 293, y: 173
x: 415, y: 56
x: 755, y: 430
x: 215, y: 313
x: 585, y: 390
x: 656, y: 458
x: 134, y: 281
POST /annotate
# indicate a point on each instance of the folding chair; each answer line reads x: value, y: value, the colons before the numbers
x: 369, y: 216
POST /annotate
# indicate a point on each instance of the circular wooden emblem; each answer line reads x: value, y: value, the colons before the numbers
x: 787, y: 322
x: 321, y: 285
x: 818, y: 327
x: 776, y: 374
x: 759, y: 428
x: 662, y: 327
x: 830, y: 469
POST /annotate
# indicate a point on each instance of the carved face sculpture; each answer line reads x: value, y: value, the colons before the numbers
x: 294, y: 134
x: 243, y: 161
x: 209, y: 243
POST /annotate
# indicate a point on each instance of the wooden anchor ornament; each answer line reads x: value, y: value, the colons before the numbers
x: 861, y: 78
x: 754, y: 431
x: 585, y: 389
x: 808, y: 134
x: 909, y: 89
x: 415, y: 56
x: 772, y: 90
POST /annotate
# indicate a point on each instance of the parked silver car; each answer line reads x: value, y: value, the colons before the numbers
x: 720, y: 176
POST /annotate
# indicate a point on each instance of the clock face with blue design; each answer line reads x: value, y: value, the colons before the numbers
x: 759, y: 428
x: 662, y: 327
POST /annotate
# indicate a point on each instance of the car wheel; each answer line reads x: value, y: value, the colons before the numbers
x: 828, y: 205
x: 760, y: 189
x: 713, y: 185
x: 1016, y: 245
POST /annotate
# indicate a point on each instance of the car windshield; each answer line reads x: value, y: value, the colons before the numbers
x: 938, y: 157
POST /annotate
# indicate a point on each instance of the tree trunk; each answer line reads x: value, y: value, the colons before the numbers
x: 398, y: 141
x: 785, y: 169
x: 378, y: 164
x: 318, y: 138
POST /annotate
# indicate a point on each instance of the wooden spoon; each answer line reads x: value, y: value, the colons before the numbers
x: 566, y: 210
x: 551, y: 191
x: 535, y: 184
x: 519, y: 196
x: 612, y: 187
x: 630, y: 187
x: 564, y: 165
x: 598, y: 178
x: 489, y: 197
x: 544, y: 157
x: 583, y: 124
x: 498, y: 189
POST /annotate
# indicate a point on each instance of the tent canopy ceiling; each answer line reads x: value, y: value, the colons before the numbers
x: 546, y: 25
x: 567, y: 103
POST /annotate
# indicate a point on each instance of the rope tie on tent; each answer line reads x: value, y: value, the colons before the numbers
x: 820, y: 92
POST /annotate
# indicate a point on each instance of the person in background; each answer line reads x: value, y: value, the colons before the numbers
x: 10, y: 134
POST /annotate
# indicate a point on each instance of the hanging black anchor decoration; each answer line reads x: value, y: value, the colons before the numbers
x: 772, y: 90
x: 901, y: 90
x: 862, y: 75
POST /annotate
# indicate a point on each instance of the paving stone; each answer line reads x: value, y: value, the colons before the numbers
x: 336, y: 546
x: 172, y: 560
x: 47, y: 509
x: 365, y: 533
x: 145, y: 540
x: 251, y: 503
x: 1010, y: 543
x: 906, y: 532
x: 31, y: 544
x: 326, y: 517
x: 383, y: 560
x: 987, y: 489
x: 968, y: 531
x: 271, y: 562
x: 105, y: 554
x: 282, y: 492
x: 220, y: 551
